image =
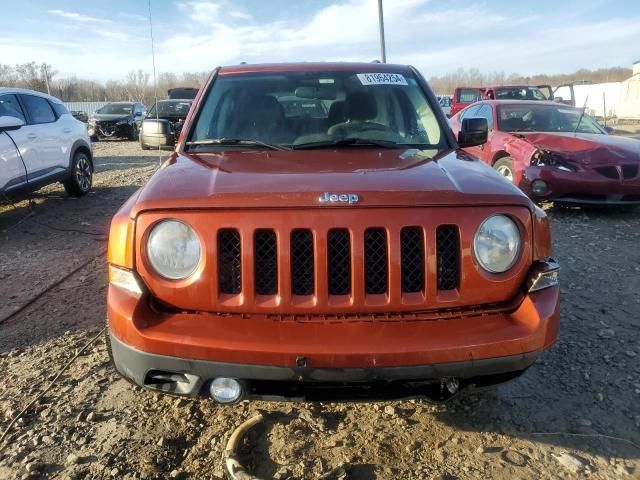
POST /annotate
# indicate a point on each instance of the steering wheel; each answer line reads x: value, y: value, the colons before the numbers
x: 348, y: 128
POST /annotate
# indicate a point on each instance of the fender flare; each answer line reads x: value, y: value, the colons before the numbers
x: 77, y: 145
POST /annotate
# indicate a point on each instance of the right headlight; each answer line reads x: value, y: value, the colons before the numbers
x: 496, y: 244
x: 173, y: 249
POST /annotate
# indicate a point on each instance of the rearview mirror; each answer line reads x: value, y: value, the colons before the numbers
x: 10, y: 123
x: 473, y: 132
x: 324, y: 92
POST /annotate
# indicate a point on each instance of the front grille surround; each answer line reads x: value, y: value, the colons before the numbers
x: 202, y: 292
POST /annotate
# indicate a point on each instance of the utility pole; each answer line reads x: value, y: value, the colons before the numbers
x: 381, y: 21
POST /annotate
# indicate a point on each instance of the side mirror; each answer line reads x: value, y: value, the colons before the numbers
x: 473, y: 131
x: 609, y: 129
x: 8, y: 123
x: 558, y: 99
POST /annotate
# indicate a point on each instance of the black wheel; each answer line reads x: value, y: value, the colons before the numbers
x: 133, y: 134
x: 94, y: 138
x: 504, y: 167
x: 81, y: 178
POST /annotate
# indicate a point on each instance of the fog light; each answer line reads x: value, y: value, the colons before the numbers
x: 543, y: 275
x: 225, y: 390
x: 539, y: 187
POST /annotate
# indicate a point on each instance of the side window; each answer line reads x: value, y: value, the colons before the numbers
x: 10, y: 107
x: 469, y: 112
x: 59, y: 109
x: 38, y: 109
x: 486, y: 112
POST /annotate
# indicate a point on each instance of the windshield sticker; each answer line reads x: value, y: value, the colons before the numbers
x: 381, y: 79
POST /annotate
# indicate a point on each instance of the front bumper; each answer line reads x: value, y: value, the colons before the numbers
x: 581, y: 188
x: 108, y: 130
x: 182, y: 352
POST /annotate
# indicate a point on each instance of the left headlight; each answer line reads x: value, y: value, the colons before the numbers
x: 497, y: 243
x: 173, y: 249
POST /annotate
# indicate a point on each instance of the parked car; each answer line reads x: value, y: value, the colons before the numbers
x: 360, y: 255
x: 465, y: 96
x: 116, y: 120
x: 556, y: 152
x: 40, y: 144
x: 163, y: 123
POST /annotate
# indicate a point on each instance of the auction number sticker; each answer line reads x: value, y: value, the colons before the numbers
x: 381, y: 79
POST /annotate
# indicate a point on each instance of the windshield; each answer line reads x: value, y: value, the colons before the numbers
x: 519, y: 93
x: 170, y: 109
x: 545, y: 118
x: 298, y: 109
x: 116, y: 109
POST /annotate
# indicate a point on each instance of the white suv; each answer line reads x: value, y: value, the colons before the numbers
x: 41, y: 143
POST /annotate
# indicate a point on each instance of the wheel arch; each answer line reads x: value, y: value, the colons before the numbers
x: 80, y: 146
x: 498, y: 155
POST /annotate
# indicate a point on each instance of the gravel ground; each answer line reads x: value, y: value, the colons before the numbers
x: 554, y: 422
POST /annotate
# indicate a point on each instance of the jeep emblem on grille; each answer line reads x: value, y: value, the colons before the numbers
x: 349, y: 198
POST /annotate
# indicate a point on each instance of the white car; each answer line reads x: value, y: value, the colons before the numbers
x: 41, y: 143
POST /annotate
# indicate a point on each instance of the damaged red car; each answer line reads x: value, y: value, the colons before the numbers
x: 556, y: 152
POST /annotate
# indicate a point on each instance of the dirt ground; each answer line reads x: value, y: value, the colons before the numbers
x: 575, y: 414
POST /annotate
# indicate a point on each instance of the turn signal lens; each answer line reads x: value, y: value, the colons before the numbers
x: 124, y: 279
x: 543, y: 275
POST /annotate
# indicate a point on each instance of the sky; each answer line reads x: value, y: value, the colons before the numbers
x: 103, y: 39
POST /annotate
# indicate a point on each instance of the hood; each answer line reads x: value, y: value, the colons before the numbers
x: 588, y: 149
x: 288, y: 179
x: 109, y: 116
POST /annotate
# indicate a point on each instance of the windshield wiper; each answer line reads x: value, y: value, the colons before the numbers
x: 235, y: 141
x: 345, y: 142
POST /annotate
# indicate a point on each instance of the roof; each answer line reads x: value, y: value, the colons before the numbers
x: 372, y: 67
x: 30, y: 92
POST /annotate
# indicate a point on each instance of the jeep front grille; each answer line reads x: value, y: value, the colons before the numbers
x: 337, y: 261
x: 339, y: 265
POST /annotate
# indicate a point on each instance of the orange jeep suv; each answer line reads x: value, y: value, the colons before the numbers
x: 319, y: 234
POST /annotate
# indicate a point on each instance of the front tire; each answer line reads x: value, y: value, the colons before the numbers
x: 81, y: 179
x: 504, y: 167
x: 133, y: 134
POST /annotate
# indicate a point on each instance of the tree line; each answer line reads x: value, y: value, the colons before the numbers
x: 137, y: 85
x: 445, y: 84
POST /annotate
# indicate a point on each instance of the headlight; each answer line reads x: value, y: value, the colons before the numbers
x: 173, y: 249
x: 496, y: 244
